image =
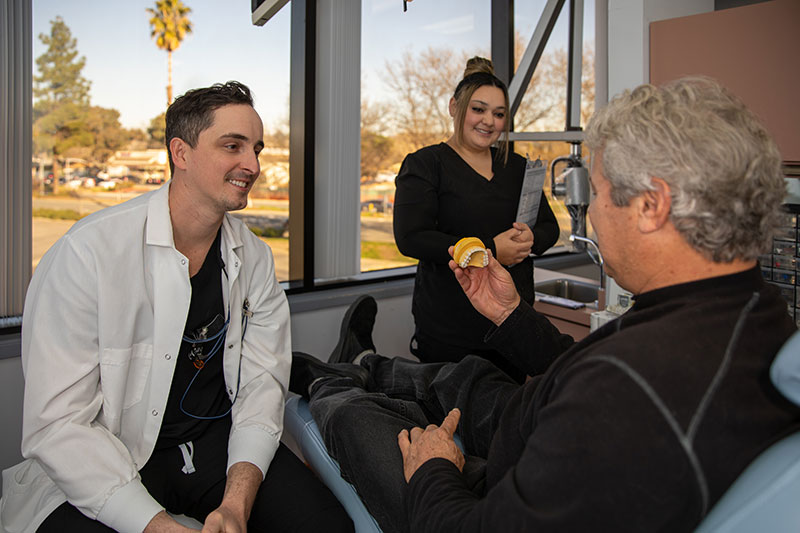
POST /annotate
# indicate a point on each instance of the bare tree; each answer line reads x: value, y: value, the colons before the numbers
x: 422, y: 85
x: 379, y: 151
x: 543, y: 107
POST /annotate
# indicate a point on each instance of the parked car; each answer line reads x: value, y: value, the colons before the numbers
x: 376, y: 206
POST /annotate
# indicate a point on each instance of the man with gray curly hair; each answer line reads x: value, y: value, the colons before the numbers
x: 644, y: 424
x: 720, y: 164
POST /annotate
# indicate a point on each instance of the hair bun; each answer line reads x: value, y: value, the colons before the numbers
x: 478, y: 64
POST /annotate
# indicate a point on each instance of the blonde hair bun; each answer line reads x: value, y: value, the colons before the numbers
x: 478, y: 64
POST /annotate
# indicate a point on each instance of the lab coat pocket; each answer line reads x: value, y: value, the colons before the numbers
x: 123, y: 376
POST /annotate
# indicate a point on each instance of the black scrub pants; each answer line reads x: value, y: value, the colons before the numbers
x: 291, y: 498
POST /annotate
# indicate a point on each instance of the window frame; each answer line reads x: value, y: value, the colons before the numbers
x: 303, y: 111
x: 305, y: 23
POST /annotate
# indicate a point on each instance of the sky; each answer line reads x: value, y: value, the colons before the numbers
x: 129, y: 73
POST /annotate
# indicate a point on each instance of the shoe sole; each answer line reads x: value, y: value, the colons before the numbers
x: 335, y: 356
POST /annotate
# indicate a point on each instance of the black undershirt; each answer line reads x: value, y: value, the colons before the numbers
x: 206, y: 396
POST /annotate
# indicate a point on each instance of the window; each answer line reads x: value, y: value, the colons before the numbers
x: 544, y: 105
x: 410, y: 64
x: 111, y: 148
x: 402, y: 56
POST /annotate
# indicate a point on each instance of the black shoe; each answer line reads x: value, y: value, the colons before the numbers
x: 355, y: 335
x: 306, y: 369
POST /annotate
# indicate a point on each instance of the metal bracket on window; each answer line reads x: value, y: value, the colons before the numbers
x: 535, y: 49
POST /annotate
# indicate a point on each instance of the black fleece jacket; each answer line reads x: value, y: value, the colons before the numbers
x: 641, y: 426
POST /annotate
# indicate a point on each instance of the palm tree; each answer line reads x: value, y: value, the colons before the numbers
x: 169, y: 24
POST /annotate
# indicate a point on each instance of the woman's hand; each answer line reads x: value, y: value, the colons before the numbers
x: 514, y: 244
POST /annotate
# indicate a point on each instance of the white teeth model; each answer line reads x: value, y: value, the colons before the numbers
x: 470, y: 251
x: 471, y: 259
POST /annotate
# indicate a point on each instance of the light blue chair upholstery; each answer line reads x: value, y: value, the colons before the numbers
x: 187, y: 521
x: 299, y: 424
x: 766, y: 496
x: 785, y: 370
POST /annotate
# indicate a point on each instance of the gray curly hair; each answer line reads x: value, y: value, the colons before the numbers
x: 722, y: 167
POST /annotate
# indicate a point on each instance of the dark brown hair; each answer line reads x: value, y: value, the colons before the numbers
x: 193, y: 112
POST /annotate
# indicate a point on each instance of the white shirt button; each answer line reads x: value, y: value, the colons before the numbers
x: 154, y: 412
x: 230, y: 346
x: 183, y: 261
x: 167, y: 356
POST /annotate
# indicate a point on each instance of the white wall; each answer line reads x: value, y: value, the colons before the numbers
x: 317, y: 318
x: 629, y: 36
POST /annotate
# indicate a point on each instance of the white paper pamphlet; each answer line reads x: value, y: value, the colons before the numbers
x: 531, y: 194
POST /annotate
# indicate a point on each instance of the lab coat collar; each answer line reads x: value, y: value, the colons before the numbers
x: 159, y: 224
x: 231, y: 239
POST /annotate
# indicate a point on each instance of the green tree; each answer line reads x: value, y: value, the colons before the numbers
x: 378, y: 151
x: 169, y: 25
x: 107, y: 133
x: 71, y: 130
x: 61, y: 130
x: 156, y: 131
x: 377, y: 154
x: 61, y: 96
x: 60, y: 80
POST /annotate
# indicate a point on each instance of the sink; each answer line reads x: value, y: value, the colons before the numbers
x: 578, y: 291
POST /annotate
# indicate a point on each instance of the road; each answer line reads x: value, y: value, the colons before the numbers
x: 46, y: 231
x: 375, y: 227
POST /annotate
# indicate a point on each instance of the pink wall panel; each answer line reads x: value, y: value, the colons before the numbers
x: 753, y: 50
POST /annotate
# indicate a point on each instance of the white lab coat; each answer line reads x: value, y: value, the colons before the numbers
x: 102, y: 326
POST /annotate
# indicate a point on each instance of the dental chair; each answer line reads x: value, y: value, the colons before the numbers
x: 298, y: 423
x: 766, y: 496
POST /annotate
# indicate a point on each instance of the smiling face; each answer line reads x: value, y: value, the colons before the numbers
x: 485, y: 118
x: 223, y: 166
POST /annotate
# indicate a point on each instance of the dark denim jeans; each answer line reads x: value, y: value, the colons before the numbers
x: 360, y: 426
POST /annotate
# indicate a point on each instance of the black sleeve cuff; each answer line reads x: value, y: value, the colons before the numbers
x: 528, y: 340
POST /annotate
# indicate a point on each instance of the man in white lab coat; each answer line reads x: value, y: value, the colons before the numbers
x: 156, y: 351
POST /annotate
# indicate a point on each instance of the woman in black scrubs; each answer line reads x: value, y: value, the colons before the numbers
x: 466, y: 187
